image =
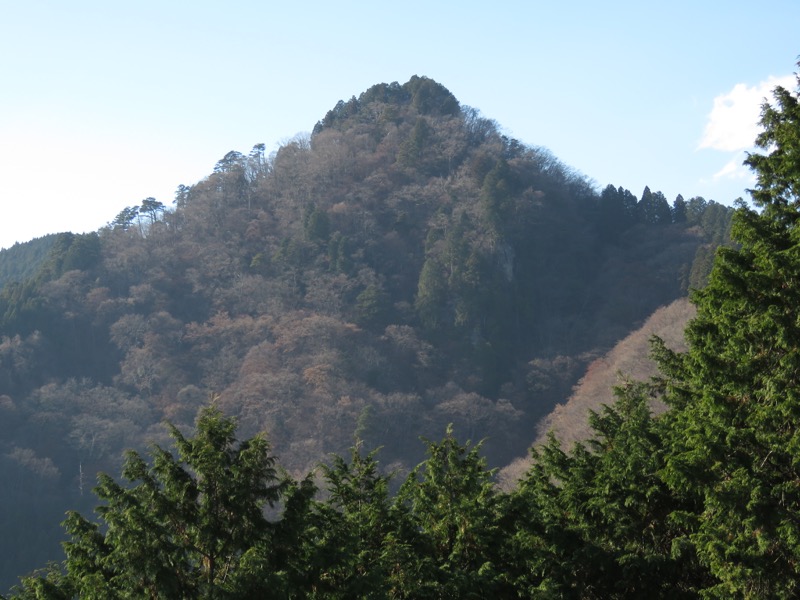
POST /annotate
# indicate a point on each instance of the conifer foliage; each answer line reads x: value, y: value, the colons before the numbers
x: 734, y: 435
x: 184, y: 526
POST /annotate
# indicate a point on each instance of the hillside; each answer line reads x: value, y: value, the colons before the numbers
x: 403, y: 267
x: 628, y: 361
x: 22, y: 261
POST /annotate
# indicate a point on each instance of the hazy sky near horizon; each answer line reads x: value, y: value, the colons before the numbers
x: 103, y: 104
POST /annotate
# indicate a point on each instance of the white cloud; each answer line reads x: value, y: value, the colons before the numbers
x: 734, y: 169
x: 733, y: 122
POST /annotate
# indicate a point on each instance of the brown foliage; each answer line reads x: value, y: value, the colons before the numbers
x: 628, y: 360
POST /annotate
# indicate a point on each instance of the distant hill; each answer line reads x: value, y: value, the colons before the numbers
x: 403, y: 267
x: 22, y: 260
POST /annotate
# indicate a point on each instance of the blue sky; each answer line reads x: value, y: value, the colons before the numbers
x: 103, y: 104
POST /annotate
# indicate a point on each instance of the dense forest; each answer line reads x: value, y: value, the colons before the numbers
x: 22, y: 261
x: 405, y: 270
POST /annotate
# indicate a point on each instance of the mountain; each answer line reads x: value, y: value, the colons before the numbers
x: 404, y: 267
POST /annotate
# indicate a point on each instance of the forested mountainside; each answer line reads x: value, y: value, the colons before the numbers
x: 404, y: 267
x: 629, y: 360
x: 22, y: 260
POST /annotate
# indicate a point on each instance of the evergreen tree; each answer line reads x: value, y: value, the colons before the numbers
x: 413, y: 150
x: 431, y: 294
x: 679, y: 210
x: 596, y: 520
x: 183, y: 528
x: 454, y: 512
x: 352, y: 550
x: 613, y: 214
x: 496, y: 197
x: 653, y: 208
x: 735, y: 393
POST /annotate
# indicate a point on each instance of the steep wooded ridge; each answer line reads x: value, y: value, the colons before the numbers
x: 404, y: 267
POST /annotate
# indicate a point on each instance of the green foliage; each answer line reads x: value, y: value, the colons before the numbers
x: 45, y: 584
x: 430, y: 294
x: 185, y: 525
x: 317, y: 224
x: 413, y: 150
x: 453, y: 506
x: 424, y: 95
x: 429, y: 97
x: 194, y: 527
x: 71, y: 252
x: 603, y: 522
x: 338, y: 254
x: 152, y: 208
x: 51, y: 303
x: 125, y: 218
x: 679, y: 210
x: 617, y: 212
x: 352, y: 552
x: 372, y: 306
x: 496, y: 196
x: 22, y: 261
x: 734, y: 393
x: 653, y: 208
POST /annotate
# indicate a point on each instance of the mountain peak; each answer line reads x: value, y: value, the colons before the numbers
x: 426, y: 96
